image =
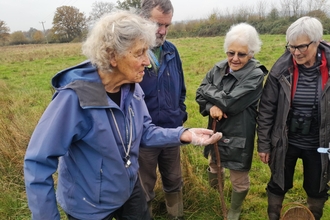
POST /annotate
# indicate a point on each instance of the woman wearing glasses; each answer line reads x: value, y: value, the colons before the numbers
x: 292, y: 120
x: 229, y: 94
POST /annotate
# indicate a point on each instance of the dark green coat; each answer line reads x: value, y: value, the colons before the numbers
x: 237, y: 96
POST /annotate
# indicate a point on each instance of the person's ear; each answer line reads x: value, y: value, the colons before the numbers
x: 113, y: 60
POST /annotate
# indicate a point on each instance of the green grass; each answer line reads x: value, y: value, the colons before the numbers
x: 25, y: 91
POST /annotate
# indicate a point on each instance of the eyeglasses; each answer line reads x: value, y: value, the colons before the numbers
x: 231, y: 54
x: 302, y: 48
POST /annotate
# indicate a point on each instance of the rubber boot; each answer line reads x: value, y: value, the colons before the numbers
x: 174, y: 205
x: 237, y: 199
x: 316, y: 205
x: 274, y: 206
x: 213, y: 179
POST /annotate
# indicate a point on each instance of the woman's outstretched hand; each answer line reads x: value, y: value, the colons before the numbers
x: 200, y: 136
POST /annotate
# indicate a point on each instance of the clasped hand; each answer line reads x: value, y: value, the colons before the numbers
x: 217, y: 113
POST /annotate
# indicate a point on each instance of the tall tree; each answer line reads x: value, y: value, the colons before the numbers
x: 285, y: 8
x: 274, y: 14
x: 320, y: 5
x: 128, y: 4
x: 38, y: 37
x: 296, y: 6
x: 69, y: 23
x: 99, y: 9
x: 4, y: 33
x: 261, y: 8
x: 29, y: 34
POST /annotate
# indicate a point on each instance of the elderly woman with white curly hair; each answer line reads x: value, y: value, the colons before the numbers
x: 93, y: 127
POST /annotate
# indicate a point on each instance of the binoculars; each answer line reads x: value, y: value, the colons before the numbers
x: 300, y: 122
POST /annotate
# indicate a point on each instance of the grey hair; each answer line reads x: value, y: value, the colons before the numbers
x: 147, y: 5
x: 306, y: 26
x: 116, y: 33
x: 245, y: 34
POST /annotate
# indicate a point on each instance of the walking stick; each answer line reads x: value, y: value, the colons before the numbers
x: 219, y: 174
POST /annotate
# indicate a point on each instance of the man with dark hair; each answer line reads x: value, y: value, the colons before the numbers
x: 165, y: 92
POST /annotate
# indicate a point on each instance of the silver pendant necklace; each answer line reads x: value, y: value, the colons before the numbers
x: 127, y: 157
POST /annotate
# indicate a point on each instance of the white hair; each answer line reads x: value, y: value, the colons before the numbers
x: 245, y: 34
x: 116, y: 33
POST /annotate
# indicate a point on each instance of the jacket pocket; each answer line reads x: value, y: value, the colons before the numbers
x: 232, y: 149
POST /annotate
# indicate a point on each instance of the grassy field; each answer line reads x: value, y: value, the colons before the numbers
x: 25, y: 92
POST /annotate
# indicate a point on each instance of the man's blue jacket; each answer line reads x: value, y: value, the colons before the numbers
x: 165, y: 90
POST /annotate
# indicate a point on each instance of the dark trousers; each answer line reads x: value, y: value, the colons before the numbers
x: 312, y: 168
x: 135, y: 208
x: 168, y: 162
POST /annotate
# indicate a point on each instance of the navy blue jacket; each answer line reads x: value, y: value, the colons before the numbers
x: 165, y: 91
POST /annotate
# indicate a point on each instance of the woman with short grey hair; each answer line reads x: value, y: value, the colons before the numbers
x: 93, y: 128
x: 293, y: 117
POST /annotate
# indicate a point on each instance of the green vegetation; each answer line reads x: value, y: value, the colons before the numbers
x: 218, y: 23
x: 267, y: 17
x: 25, y: 92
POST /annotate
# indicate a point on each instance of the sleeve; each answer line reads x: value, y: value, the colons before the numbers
x: 266, y: 115
x: 183, y: 90
x: 58, y: 127
x: 155, y: 136
x: 204, y: 104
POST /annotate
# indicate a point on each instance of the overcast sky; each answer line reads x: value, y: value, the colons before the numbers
x: 21, y: 15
